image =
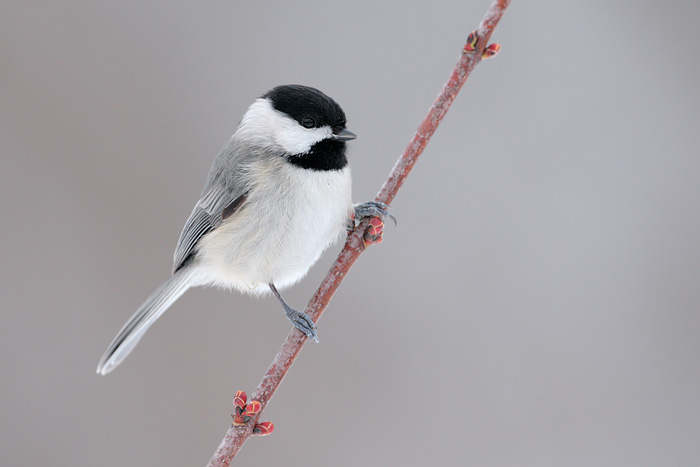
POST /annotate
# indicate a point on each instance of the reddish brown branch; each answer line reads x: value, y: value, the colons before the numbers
x: 237, y: 435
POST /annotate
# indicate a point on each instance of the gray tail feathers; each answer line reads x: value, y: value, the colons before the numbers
x: 145, y: 316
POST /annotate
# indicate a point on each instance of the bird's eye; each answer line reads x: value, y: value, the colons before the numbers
x: 308, y: 122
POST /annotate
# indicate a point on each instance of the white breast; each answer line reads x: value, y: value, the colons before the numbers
x: 289, y: 218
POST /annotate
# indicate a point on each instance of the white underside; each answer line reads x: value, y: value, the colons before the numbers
x: 278, y: 245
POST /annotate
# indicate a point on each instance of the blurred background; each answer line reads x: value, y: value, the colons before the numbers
x: 537, y: 305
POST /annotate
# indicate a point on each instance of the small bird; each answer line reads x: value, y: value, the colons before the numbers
x: 277, y: 195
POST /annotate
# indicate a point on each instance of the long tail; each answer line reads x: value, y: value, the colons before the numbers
x: 145, y: 316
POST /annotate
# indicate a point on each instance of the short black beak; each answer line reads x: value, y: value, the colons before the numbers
x: 344, y: 135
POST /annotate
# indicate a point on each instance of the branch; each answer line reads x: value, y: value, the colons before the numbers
x: 354, y: 246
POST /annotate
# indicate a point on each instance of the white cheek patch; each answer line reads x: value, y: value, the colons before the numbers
x: 266, y: 126
x: 294, y: 138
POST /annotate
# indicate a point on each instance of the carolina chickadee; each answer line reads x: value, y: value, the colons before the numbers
x: 277, y: 195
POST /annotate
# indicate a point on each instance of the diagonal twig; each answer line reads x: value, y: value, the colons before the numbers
x: 354, y: 246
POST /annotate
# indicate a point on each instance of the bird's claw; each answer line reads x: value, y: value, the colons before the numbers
x: 303, y: 322
x: 373, y: 209
x: 377, y: 212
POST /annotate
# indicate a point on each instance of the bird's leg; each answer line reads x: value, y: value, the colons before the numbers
x: 376, y: 211
x: 299, y: 319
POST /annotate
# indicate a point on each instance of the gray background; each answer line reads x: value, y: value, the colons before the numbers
x: 537, y: 305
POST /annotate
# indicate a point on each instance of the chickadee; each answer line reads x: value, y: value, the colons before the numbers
x: 277, y: 195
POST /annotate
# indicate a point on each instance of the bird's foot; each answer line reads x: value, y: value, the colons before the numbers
x: 377, y: 212
x: 302, y: 322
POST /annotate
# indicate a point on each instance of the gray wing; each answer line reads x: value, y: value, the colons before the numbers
x: 224, y: 193
x: 216, y: 205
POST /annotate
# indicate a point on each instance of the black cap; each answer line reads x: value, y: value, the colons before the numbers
x: 308, y: 106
